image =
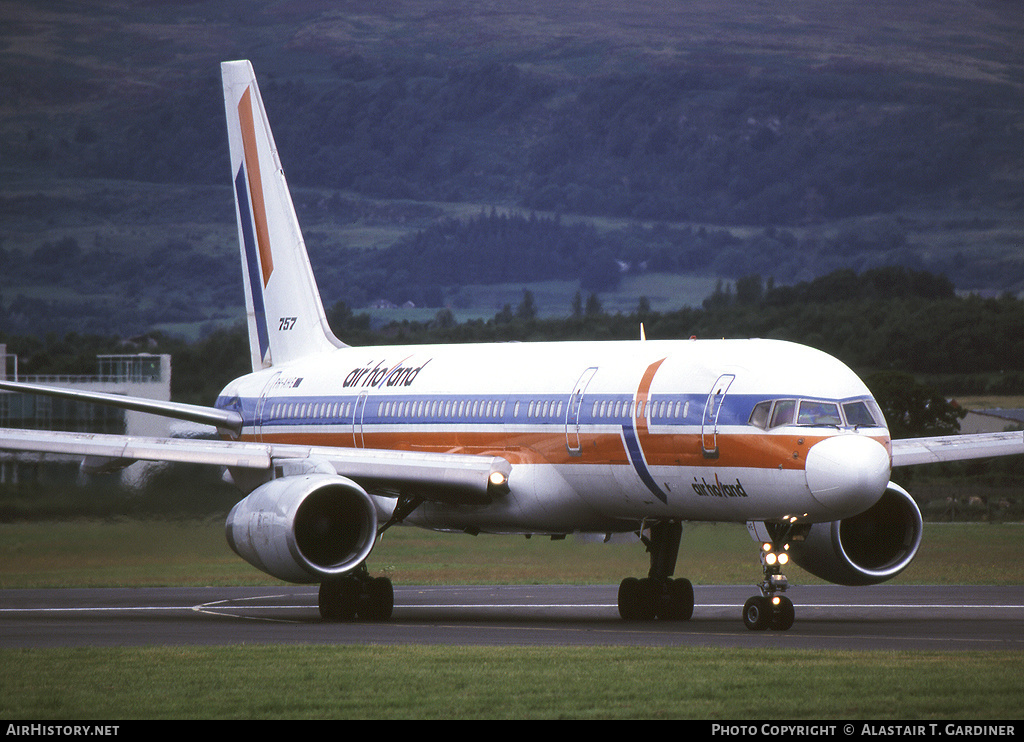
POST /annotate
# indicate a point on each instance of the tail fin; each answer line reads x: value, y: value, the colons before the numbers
x: 285, y: 313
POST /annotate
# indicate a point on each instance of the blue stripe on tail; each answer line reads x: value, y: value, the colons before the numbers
x: 252, y: 262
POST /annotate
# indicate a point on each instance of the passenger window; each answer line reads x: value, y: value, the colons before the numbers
x: 783, y: 413
x: 759, y: 416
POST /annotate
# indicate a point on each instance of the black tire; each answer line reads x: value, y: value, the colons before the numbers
x: 783, y: 614
x: 629, y: 599
x: 649, y: 598
x: 757, y: 613
x: 337, y: 600
x: 678, y: 605
x: 378, y: 600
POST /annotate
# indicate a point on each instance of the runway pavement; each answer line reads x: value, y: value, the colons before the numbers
x: 888, y: 617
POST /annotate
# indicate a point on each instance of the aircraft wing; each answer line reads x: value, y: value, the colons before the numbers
x: 911, y: 451
x: 440, y: 477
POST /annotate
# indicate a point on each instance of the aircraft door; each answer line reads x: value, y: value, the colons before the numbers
x: 572, y: 415
x: 262, y: 414
x: 712, y: 409
x: 357, y: 420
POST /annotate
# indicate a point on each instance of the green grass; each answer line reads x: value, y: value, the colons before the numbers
x: 136, y: 553
x: 396, y: 682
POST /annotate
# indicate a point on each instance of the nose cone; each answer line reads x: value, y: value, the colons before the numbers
x: 847, y: 473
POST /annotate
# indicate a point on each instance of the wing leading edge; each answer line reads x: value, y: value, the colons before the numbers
x: 911, y: 451
x: 437, y: 477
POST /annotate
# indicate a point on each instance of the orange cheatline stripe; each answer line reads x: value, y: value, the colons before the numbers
x: 663, y: 450
x: 642, y: 393
x: 252, y: 168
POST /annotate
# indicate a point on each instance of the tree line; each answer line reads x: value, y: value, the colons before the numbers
x: 175, y: 282
x: 888, y: 319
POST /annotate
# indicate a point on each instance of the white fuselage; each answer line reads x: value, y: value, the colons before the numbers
x: 600, y: 435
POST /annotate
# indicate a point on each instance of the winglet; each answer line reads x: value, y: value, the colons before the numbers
x: 285, y: 314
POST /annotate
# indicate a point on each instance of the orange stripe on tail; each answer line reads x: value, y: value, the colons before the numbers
x: 252, y: 168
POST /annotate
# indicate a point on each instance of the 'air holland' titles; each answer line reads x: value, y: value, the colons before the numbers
x: 380, y: 375
x: 706, y: 489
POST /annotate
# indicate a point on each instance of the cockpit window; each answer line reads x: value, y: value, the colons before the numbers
x: 863, y: 413
x: 819, y: 413
x: 759, y: 416
x: 858, y: 415
x: 783, y: 412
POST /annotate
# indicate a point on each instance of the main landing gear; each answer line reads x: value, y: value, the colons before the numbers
x: 357, y: 594
x: 658, y: 595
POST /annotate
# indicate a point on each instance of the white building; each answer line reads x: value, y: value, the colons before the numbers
x: 138, y: 375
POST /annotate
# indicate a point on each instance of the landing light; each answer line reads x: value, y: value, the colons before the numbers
x: 497, y: 479
x: 771, y: 558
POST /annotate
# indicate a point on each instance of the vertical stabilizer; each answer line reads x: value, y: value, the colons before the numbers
x: 285, y: 313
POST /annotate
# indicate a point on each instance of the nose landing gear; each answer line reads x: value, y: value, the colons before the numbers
x: 770, y: 610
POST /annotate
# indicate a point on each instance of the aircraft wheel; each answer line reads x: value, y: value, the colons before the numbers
x: 650, y: 598
x: 783, y: 614
x: 678, y: 601
x: 629, y: 599
x: 757, y: 613
x: 378, y: 600
x: 337, y: 600
x: 343, y: 599
x: 638, y: 599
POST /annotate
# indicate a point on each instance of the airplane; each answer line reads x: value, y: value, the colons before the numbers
x: 331, y: 445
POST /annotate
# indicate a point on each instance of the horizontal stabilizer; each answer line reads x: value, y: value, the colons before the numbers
x: 224, y: 419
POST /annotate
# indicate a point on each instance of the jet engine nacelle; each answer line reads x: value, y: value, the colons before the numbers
x: 866, y: 549
x: 304, y: 529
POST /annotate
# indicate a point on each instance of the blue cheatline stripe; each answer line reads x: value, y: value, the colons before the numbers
x: 251, y: 262
x: 636, y: 457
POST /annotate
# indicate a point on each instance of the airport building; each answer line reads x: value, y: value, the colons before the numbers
x: 137, y: 375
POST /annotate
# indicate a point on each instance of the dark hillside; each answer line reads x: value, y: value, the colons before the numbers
x: 722, y: 141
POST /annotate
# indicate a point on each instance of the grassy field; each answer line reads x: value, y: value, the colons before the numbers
x: 132, y: 553
x: 398, y: 682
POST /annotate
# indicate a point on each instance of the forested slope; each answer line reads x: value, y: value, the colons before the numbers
x: 504, y: 143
